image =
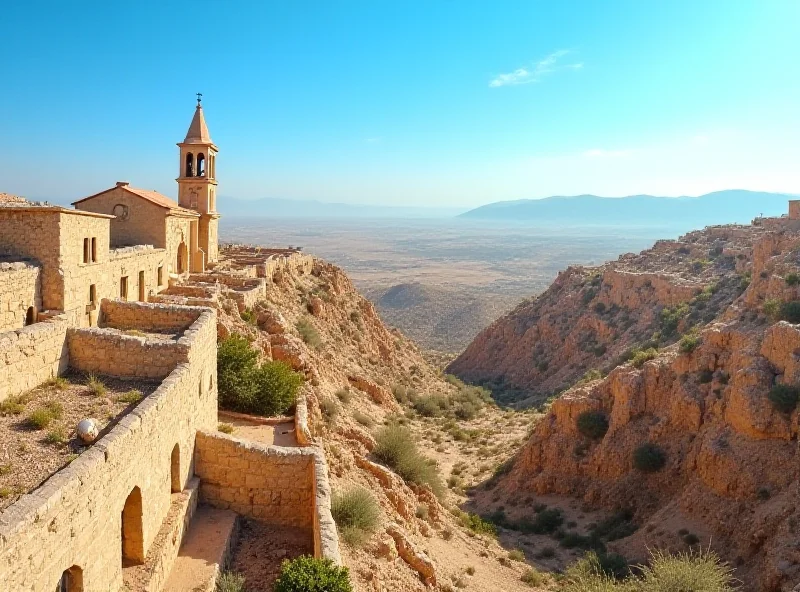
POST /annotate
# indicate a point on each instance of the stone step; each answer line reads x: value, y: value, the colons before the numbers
x: 204, y: 552
x: 150, y: 576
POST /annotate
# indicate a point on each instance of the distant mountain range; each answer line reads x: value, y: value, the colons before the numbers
x: 721, y: 207
x: 292, y: 208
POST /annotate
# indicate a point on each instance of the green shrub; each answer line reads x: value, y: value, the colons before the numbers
x: 792, y: 279
x: 477, y: 524
x: 396, y: 448
x: 546, y: 521
x: 344, y: 395
x: 617, y: 526
x: 593, y: 424
x: 671, y: 317
x: 516, y: 555
x: 57, y: 435
x: 132, y: 396
x: 13, y: 405
x: 649, y: 458
x: 309, y: 333
x: 96, y: 386
x: 784, y: 397
x: 57, y: 382
x: 40, y: 418
x: 705, y: 376
x: 243, y: 385
x: 772, y: 308
x: 790, y: 311
x: 599, y: 308
x: 225, y: 428
x: 689, y: 343
x: 642, y: 356
x: 230, y: 582
x: 686, y: 571
x: 431, y: 405
x: 308, y: 574
x: 533, y: 577
x: 356, y: 513
x: 590, y: 375
x: 248, y: 316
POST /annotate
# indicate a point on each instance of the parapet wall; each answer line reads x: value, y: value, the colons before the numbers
x: 147, y: 317
x: 73, y: 519
x: 284, y: 486
x: 31, y: 355
x: 20, y: 288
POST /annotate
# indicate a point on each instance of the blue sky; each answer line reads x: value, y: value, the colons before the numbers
x: 421, y: 103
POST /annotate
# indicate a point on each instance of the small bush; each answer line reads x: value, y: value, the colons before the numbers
x: 329, y: 408
x: 792, y: 279
x: 96, y: 386
x: 397, y: 449
x: 705, y: 376
x: 790, y: 311
x: 344, y: 395
x: 225, y: 428
x: 57, y: 382
x: 691, y: 539
x: 477, y: 524
x: 516, y: 555
x: 772, y: 308
x: 689, y: 343
x: 545, y: 522
x: 533, y: 578
x: 642, y: 356
x: 309, y: 333
x: 431, y: 405
x: 13, y: 405
x: 649, y: 458
x: 784, y: 397
x: 546, y: 553
x: 356, y: 507
x: 593, y: 424
x: 40, y: 418
x: 308, y: 574
x: 599, y: 308
x: 590, y: 375
x: 230, y: 582
x: 686, y: 571
x: 277, y: 388
x: 58, y: 435
x: 363, y: 419
x: 249, y: 317
x: 132, y: 396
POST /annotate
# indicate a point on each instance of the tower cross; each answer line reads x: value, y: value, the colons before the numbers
x: 199, y: 98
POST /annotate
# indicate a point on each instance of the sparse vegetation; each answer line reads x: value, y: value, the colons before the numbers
x: 516, y: 555
x: 344, y: 395
x: 308, y: 574
x: 248, y: 316
x: 533, y: 577
x: 132, y: 396
x: 308, y: 332
x: 649, y: 458
x: 784, y: 397
x: 42, y: 417
x: 57, y: 435
x: 772, y: 308
x: 230, y: 582
x: 792, y: 279
x: 641, y: 356
x: 593, y: 424
x: 225, y: 428
x: 96, y: 386
x: 689, y: 343
x: 790, y: 311
x: 356, y: 513
x: 397, y: 449
x: 363, y: 419
x: 13, y: 405
x: 57, y: 382
x: 329, y: 409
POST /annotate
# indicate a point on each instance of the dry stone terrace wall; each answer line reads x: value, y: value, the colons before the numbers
x: 101, y: 351
x: 285, y: 486
x: 20, y: 289
x: 31, y: 355
x: 73, y: 519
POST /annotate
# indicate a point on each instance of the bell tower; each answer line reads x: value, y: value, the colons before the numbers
x: 197, y: 181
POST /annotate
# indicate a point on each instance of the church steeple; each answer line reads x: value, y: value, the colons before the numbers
x: 197, y: 179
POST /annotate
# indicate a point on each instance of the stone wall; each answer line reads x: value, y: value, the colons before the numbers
x: 274, y: 484
x: 103, y: 351
x: 73, y: 519
x: 31, y: 355
x: 20, y: 289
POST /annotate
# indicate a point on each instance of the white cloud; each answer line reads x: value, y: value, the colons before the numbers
x: 535, y: 72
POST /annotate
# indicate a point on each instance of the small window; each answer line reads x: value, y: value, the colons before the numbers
x: 30, y: 316
x: 94, y: 250
x: 71, y: 580
x: 92, y: 294
x: 86, y: 250
x: 123, y: 287
x: 160, y: 275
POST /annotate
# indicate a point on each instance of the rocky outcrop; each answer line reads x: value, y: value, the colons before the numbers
x: 415, y: 557
x: 591, y: 317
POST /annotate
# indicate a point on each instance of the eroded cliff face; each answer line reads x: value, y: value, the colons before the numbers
x: 732, y: 470
x: 591, y: 317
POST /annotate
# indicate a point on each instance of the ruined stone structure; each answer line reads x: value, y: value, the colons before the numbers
x: 127, y: 286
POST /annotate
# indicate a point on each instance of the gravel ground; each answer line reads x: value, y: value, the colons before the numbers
x: 29, y: 455
x: 261, y: 549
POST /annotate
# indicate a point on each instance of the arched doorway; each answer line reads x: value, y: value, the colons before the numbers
x: 175, y: 470
x: 30, y: 316
x: 71, y: 580
x: 183, y: 257
x: 132, y: 530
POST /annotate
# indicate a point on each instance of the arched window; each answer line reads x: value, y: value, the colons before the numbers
x: 175, y: 470
x: 201, y: 165
x: 132, y: 530
x: 71, y: 580
x: 183, y: 256
x: 189, y: 165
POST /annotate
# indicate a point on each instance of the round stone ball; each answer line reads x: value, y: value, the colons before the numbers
x: 88, y: 430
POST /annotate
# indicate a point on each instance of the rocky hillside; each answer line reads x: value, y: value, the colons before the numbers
x: 694, y: 441
x: 325, y: 329
x: 593, y: 318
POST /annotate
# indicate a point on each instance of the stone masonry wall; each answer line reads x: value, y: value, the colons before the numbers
x: 73, y: 519
x: 20, y: 289
x: 31, y: 355
x: 269, y: 483
x: 134, y: 315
